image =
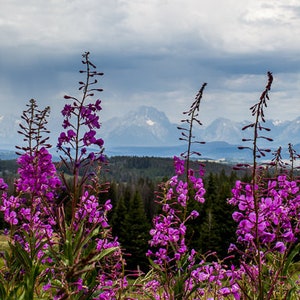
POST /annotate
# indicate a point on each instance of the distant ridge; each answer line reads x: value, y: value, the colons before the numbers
x: 147, y: 126
x: 148, y: 131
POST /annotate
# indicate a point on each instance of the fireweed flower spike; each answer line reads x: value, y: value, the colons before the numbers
x: 38, y: 183
x: 180, y: 273
x: 81, y: 122
x: 94, y: 258
x: 168, y: 250
x: 187, y: 128
x: 175, y: 269
x: 31, y: 212
x: 268, y: 220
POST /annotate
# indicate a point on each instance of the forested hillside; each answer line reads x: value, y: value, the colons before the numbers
x: 131, y: 168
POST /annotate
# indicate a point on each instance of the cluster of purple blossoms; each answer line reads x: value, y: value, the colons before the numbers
x: 169, y: 251
x: 273, y: 220
x: 37, y: 175
x: 109, y: 280
x: 9, y: 205
x: 3, y: 185
x: 214, y: 277
x: 85, y: 116
x: 90, y: 215
x: 168, y: 234
x: 31, y: 212
x: 90, y: 211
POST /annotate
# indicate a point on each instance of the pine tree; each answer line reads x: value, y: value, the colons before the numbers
x: 118, y: 217
x: 135, y: 234
x: 214, y: 229
x: 209, y: 240
x: 227, y: 226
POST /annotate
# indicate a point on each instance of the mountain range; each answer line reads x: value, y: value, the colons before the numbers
x: 146, y: 126
x: 148, y: 131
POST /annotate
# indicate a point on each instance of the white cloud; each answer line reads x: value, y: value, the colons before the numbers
x: 156, y: 52
x: 119, y: 25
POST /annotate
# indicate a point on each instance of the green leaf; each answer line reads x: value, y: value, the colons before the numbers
x: 104, y: 253
x: 22, y: 256
x: 2, y: 288
x: 67, y: 255
x: 290, y: 259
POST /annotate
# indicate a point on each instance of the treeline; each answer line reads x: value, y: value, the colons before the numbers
x: 134, y: 186
x: 131, y: 168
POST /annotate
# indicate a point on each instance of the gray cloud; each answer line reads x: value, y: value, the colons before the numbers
x: 152, y: 53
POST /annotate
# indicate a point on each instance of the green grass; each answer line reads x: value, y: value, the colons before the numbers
x: 3, y: 247
x: 3, y: 242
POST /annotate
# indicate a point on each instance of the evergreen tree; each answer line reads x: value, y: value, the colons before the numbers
x: 120, y: 211
x: 113, y: 193
x: 118, y: 216
x: 209, y: 239
x: 227, y: 226
x: 146, y: 188
x: 214, y: 229
x: 135, y: 234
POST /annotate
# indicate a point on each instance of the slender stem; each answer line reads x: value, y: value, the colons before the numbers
x: 193, y: 113
x: 76, y: 166
x: 258, y: 111
x: 255, y: 199
x: 189, y: 146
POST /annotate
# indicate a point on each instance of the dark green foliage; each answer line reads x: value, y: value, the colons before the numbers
x: 8, y: 166
x: 132, y: 168
x: 119, y: 212
x: 209, y: 238
x: 226, y: 226
x: 214, y: 229
x: 146, y: 188
x: 112, y: 194
x: 134, y: 233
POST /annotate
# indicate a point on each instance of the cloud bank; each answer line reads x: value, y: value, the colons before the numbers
x: 154, y: 53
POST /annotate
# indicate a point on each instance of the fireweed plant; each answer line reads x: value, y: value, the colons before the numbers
x: 268, y: 220
x: 178, y: 272
x: 30, y: 213
x: 91, y: 263
x: 53, y: 254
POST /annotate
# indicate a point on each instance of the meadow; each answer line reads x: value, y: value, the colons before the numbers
x: 58, y: 242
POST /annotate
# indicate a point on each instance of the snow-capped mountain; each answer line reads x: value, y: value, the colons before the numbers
x: 288, y: 132
x: 282, y: 132
x: 223, y: 130
x: 151, y: 133
x: 145, y: 126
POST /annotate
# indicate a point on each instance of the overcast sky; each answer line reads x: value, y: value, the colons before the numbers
x: 153, y: 52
